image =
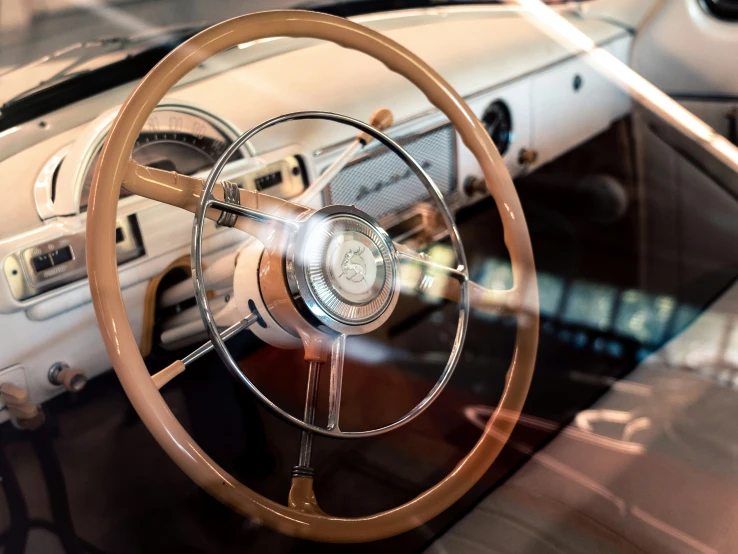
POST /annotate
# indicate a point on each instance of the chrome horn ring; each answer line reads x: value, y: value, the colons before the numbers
x: 207, y: 200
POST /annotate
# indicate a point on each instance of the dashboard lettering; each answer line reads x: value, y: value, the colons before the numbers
x: 395, y: 178
x: 198, y: 129
x: 176, y: 123
x: 153, y: 124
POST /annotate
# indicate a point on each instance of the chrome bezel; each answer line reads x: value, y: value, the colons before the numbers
x: 313, y: 291
x: 43, y: 187
x: 94, y: 138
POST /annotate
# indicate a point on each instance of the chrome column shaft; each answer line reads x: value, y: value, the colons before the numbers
x: 303, y: 469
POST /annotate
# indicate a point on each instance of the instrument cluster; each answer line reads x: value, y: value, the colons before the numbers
x: 176, y: 137
x: 173, y: 140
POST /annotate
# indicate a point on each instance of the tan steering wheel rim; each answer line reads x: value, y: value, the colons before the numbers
x: 121, y: 343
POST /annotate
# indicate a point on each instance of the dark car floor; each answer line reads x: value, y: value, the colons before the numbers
x: 93, y: 479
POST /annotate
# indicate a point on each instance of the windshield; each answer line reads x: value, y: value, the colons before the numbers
x: 87, y: 56
x: 99, y: 34
x: 112, y: 45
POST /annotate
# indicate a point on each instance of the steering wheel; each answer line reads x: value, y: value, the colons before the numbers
x: 304, y: 251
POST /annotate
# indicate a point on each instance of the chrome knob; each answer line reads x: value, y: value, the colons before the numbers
x: 73, y: 380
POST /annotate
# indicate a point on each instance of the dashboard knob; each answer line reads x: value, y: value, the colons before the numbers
x: 474, y: 185
x: 381, y: 120
x: 73, y: 380
x: 527, y: 156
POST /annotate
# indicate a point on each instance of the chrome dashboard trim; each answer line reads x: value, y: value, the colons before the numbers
x: 43, y: 187
x: 25, y: 282
x: 456, y: 198
x: 376, y: 150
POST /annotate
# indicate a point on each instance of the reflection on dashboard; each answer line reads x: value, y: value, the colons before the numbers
x: 172, y: 140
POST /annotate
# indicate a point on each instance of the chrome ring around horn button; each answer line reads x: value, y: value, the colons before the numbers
x: 342, y: 269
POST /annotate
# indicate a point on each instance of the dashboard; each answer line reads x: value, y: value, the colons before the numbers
x: 519, y: 81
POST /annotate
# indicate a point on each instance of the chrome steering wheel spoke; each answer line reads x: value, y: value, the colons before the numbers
x: 336, y: 382
x: 251, y: 213
x: 411, y: 258
x: 162, y: 377
x: 420, y: 275
x: 303, y: 467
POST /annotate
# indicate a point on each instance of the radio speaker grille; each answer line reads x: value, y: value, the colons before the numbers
x: 379, y: 183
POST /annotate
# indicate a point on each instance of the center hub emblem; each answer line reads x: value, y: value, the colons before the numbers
x: 352, y: 265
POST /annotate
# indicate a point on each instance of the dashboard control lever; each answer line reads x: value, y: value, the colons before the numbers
x: 172, y: 370
x: 381, y: 119
x: 60, y: 374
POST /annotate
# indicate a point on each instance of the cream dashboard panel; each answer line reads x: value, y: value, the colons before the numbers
x: 481, y: 48
x: 60, y: 325
x: 500, y: 64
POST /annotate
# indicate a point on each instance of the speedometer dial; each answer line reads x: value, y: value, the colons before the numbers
x: 182, y: 152
x: 174, y: 141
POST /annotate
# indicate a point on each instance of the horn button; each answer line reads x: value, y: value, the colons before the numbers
x: 342, y: 271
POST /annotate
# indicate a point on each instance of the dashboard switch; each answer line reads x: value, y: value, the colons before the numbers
x: 26, y: 415
x: 527, y: 156
x: 60, y: 260
x: 61, y: 255
x: 474, y: 185
x: 56, y: 257
x: 41, y: 262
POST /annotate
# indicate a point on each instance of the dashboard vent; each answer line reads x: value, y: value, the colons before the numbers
x: 379, y: 183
